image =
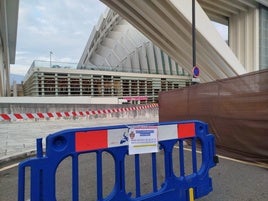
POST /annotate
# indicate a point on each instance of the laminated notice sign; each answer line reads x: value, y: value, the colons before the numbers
x: 143, y: 139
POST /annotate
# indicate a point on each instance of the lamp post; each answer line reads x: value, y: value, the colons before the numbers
x: 50, y: 53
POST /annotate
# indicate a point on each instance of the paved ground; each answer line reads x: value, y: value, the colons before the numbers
x: 19, y: 137
x: 232, y: 180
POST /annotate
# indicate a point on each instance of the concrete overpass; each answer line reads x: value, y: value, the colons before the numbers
x: 168, y: 25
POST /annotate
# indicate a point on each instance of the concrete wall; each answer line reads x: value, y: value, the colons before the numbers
x: 18, y: 136
x: 60, y: 100
x: 9, y: 108
x: 20, y: 108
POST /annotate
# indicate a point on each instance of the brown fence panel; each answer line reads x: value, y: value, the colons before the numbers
x: 236, y: 110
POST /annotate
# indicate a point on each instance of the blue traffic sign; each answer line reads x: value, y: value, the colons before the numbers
x: 196, y: 71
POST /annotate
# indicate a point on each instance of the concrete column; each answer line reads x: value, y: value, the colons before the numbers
x: 80, y: 85
x: 112, y: 85
x: 91, y: 85
x: 56, y: 85
x: 102, y: 86
x: 1, y: 71
x: 263, y: 55
x: 42, y: 85
x: 244, y: 38
x: 69, y: 85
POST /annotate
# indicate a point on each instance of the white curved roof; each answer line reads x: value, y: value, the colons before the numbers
x: 114, y: 44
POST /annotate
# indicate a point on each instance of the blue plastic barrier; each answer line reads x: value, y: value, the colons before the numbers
x: 114, y: 140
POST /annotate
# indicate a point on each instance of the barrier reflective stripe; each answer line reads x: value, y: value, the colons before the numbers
x: 113, y: 140
x: 91, y: 140
x: 186, y: 130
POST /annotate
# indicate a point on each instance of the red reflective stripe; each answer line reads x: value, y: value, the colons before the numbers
x: 67, y: 114
x: 186, y: 130
x: 74, y: 114
x: 49, y: 114
x: 18, y: 116
x: 30, y: 115
x: 5, y: 117
x: 58, y: 114
x: 81, y: 113
x: 91, y: 140
x: 40, y: 115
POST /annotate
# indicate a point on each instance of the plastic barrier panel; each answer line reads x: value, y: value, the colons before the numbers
x: 121, y: 142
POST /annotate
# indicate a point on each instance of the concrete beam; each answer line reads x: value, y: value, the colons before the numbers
x: 168, y: 25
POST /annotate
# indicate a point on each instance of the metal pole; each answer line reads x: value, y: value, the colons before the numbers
x: 50, y: 53
x: 193, y: 33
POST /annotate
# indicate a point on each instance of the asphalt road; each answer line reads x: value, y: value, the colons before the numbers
x: 232, y: 180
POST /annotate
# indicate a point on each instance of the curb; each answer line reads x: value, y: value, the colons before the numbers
x: 8, y: 160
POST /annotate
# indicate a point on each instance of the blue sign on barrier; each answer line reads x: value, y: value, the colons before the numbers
x: 115, y: 140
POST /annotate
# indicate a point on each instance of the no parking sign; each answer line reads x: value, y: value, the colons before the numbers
x: 196, y: 71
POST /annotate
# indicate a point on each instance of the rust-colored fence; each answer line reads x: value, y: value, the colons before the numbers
x: 236, y: 110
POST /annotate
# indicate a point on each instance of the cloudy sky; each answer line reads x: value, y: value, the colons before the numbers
x: 60, y: 26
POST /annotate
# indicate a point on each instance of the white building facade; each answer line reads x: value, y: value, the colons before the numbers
x: 8, y: 38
